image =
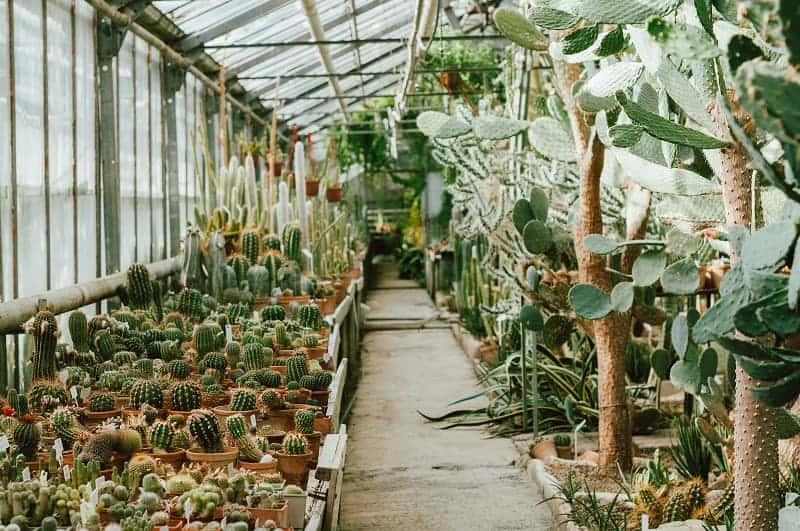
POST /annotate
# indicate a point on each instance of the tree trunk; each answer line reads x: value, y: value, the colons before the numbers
x: 610, y: 333
x: 755, y: 440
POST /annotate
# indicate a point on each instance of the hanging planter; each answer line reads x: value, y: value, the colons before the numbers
x: 312, y: 187
x: 334, y: 194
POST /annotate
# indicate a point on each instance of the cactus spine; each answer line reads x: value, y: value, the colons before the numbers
x: 102, y: 402
x: 204, y: 339
x: 274, y: 312
x: 251, y: 246
x: 291, y: 242
x: 295, y: 444
x: 140, y: 291
x: 146, y: 392
x: 304, y: 421
x: 296, y: 368
x: 186, y: 396
x: 243, y: 400
x: 161, y: 435
x: 309, y: 316
x: 79, y: 331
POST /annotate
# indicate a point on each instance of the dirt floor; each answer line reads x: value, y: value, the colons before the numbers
x: 404, y: 473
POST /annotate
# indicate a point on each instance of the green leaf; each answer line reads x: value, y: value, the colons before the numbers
x: 703, y: 8
x: 779, y: 393
x: 599, y: 244
x: 540, y: 204
x: 497, y: 127
x: 531, y: 318
x: 661, y: 361
x: 708, y: 364
x: 747, y: 321
x: 683, y: 244
x: 519, y: 29
x: 679, y: 334
x: 537, y: 237
x: 614, y: 78
x: 767, y: 247
x: 521, y: 214
x: 667, y: 130
x: 718, y: 320
x: 624, y: 11
x: 682, y: 40
x: 613, y: 42
x: 550, y: 18
x: 622, y: 296
x: 557, y: 330
x: 768, y: 371
x: 648, y: 267
x: 657, y: 178
x: 440, y: 125
x: 579, y: 40
x: 789, y: 11
x: 779, y: 318
x: 686, y: 376
x: 549, y: 138
x: 788, y: 424
x: 625, y: 135
x: 681, y: 277
x: 589, y: 301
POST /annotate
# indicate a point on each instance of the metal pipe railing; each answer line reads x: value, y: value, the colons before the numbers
x: 14, y: 313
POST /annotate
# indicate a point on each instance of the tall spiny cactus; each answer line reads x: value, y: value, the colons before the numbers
x: 140, y: 291
x: 251, y: 245
x: 79, y: 331
x: 44, y: 329
x: 291, y: 242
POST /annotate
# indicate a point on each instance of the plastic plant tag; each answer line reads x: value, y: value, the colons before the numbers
x: 266, y: 458
x: 99, y: 482
x: 26, y: 474
x: 74, y: 392
x: 94, y: 497
x: 253, y: 420
x: 63, y: 376
x: 645, y: 522
x: 58, y: 446
x: 164, y: 528
x: 231, y: 470
x: 43, y: 477
x: 187, y: 510
x: 224, y: 522
x: 4, y: 446
x: 65, y: 470
x: 228, y: 333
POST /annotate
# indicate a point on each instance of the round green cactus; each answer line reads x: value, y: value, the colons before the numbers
x: 272, y: 242
x: 204, y: 339
x: 272, y: 399
x: 251, y: 245
x: 161, y: 436
x: 190, y: 303
x: 310, y: 316
x: 273, y: 312
x: 296, y: 368
x: 204, y: 427
x: 214, y: 360
x: 295, y: 444
x: 44, y: 329
x: 146, y: 392
x: 254, y: 357
x: 101, y: 402
x: 178, y: 369
x: 243, y: 400
x: 322, y: 380
x: 186, y: 396
x: 304, y: 421
x: 272, y: 379
x: 291, y: 242
x: 26, y: 436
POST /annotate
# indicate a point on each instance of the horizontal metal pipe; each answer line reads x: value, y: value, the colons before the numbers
x: 356, y: 73
x: 333, y: 42
x: 14, y: 313
x: 124, y: 20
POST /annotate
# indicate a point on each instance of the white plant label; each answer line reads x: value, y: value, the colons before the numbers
x: 58, y: 446
x: 266, y: 458
x: 67, y: 473
x: 187, y: 511
x: 230, y: 469
x: 74, y: 392
x: 645, y: 522
x: 228, y: 333
x: 99, y: 482
x: 26, y: 474
x: 4, y: 444
x: 253, y: 420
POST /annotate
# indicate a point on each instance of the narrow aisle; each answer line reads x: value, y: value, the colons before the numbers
x: 403, y: 473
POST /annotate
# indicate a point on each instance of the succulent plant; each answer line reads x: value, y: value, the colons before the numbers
x: 204, y: 339
x: 214, y: 360
x: 272, y: 242
x: 79, y: 330
x: 44, y: 329
x: 139, y: 287
x: 311, y: 341
x: 272, y: 379
x: 296, y: 368
x: 309, y: 316
x: 272, y: 400
x: 178, y: 369
x: 282, y: 335
x: 291, y: 242
x: 66, y: 426
x: 322, y: 380
x: 677, y: 508
x: 161, y: 435
x: 254, y: 356
x: 186, y: 396
x: 100, y: 402
x: 251, y: 245
x: 146, y: 392
x: 304, y: 421
x: 27, y: 435
x: 295, y: 444
x: 248, y: 449
x: 190, y: 303
x: 204, y: 427
x: 47, y: 396
x: 243, y: 400
x: 274, y: 312
x: 289, y: 277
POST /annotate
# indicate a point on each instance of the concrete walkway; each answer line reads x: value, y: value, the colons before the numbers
x: 404, y: 473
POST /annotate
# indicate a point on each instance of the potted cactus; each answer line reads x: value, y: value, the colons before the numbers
x: 564, y: 448
x: 185, y: 397
x: 243, y: 401
x: 251, y: 457
x: 294, y: 458
x: 296, y: 500
x: 304, y: 424
x: 101, y: 407
x: 204, y: 428
x: 162, y: 439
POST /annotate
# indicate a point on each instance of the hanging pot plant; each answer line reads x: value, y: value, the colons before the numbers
x: 313, y: 177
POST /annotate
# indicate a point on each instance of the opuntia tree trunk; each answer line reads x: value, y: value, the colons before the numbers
x: 610, y: 333
x: 755, y: 440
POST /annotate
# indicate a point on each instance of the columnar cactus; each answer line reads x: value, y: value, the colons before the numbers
x: 251, y: 246
x: 296, y: 368
x: 304, y: 421
x: 291, y: 242
x: 254, y: 357
x: 44, y: 329
x: 289, y: 277
x: 272, y: 262
x: 146, y: 392
x: 27, y: 435
x: 240, y: 265
x: 161, y: 436
x: 243, y: 400
x: 101, y: 402
x: 282, y: 335
x: 233, y: 353
x: 272, y: 242
x: 306, y: 381
x: 310, y: 316
x: 139, y: 288
x: 204, y: 427
x: 311, y: 341
x: 677, y: 508
x: 295, y: 444
x: 186, y: 396
x: 274, y: 312
x: 248, y: 449
x: 79, y: 331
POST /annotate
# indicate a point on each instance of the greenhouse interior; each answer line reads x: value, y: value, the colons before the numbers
x: 378, y: 265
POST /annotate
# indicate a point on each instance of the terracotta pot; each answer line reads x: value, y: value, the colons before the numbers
x: 259, y: 303
x: 314, y: 442
x: 276, y: 438
x: 282, y: 420
x: 321, y: 396
x: 185, y: 414
x: 175, y: 524
x: 215, y: 399
x: 286, y: 300
x: 68, y: 457
x: 327, y: 305
x: 322, y: 425
x: 294, y: 468
x: 223, y: 412
x: 716, y: 272
x: 122, y: 401
x: 175, y: 458
x: 129, y: 413
x: 334, y: 195
x: 286, y: 353
x: 218, y: 459
x: 265, y: 468
x: 316, y: 353
x: 279, y: 516
x: 312, y: 188
x: 95, y: 418
x: 565, y: 452
x: 489, y: 352
x: 340, y: 291
x: 544, y: 449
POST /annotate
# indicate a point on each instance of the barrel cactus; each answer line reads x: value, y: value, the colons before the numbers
x: 233, y: 353
x: 44, y: 329
x: 306, y: 381
x: 161, y: 436
x: 79, y: 331
x: 282, y: 335
x: 66, y: 426
x: 146, y: 392
x: 26, y: 436
x: 295, y: 444
x: 139, y: 288
x: 204, y: 339
x: 178, y: 369
x: 311, y: 341
x: 254, y: 357
x: 204, y: 427
x: 289, y: 277
x: 186, y: 396
x: 304, y: 421
x: 272, y: 379
x: 296, y: 368
x: 310, y: 316
x: 272, y: 400
x: 214, y: 360
x: 47, y: 396
x: 243, y: 400
x: 101, y: 402
x: 322, y: 380
x: 273, y: 312
x: 190, y: 303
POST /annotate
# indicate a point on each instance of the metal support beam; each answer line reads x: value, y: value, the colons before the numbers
x: 355, y: 73
x: 197, y: 40
x: 109, y: 39
x: 174, y: 77
x: 410, y: 95
x: 357, y: 99
x: 334, y: 42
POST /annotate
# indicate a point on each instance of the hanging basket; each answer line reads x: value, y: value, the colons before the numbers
x: 334, y: 195
x: 312, y: 188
